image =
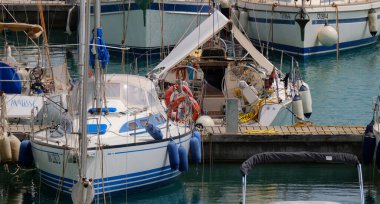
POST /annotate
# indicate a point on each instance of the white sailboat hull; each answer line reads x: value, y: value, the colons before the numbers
x: 125, y: 168
x: 280, y: 31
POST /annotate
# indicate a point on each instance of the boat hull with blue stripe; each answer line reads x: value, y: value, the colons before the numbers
x: 143, y: 23
x: 121, y: 154
x: 273, y: 24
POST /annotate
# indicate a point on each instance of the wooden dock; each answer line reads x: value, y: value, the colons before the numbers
x: 222, y: 146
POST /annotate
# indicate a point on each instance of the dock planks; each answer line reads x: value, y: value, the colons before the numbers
x: 290, y: 130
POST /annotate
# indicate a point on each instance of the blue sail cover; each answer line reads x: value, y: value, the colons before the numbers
x: 102, y: 51
x: 9, y: 73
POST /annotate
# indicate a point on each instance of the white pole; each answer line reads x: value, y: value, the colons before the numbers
x: 83, y: 65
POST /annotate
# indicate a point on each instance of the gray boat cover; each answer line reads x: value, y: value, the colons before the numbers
x: 297, y: 157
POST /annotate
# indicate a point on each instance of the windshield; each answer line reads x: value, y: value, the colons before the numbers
x: 137, y: 97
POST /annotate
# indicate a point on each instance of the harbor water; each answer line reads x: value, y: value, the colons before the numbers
x: 342, y: 95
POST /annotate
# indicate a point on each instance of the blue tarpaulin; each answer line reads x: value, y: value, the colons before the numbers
x: 9, y: 73
x: 102, y: 51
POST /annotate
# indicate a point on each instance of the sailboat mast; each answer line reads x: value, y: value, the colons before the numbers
x: 98, y: 101
x: 83, y: 65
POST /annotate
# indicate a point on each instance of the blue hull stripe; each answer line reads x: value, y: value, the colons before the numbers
x: 203, y: 8
x: 111, y: 186
x: 314, y: 22
x: 320, y: 49
x: 141, y: 173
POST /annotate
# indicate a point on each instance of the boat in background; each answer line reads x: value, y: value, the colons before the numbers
x: 371, y: 139
x: 35, y: 91
x: 216, y: 70
x: 299, y: 157
x: 307, y: 28
x: 150, y: 26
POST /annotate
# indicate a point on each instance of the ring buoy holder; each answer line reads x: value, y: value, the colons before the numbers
x: 169, y: 92
x: 194, y: 104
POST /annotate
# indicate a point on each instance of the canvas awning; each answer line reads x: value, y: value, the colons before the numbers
x: 208, y: 28
x: 255, y: 54
x: 297, y: 157
x: 33, y: 31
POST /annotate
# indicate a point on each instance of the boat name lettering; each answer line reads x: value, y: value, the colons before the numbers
x: 322, y: 15
x: 285, y: 15
x: 22, y: 103
x: 54, y: 158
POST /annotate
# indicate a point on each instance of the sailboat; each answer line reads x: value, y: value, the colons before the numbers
x: 123, y: 143
x: 32, y: 89
x: 216, y: 69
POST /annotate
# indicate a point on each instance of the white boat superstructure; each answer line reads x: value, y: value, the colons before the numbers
x: 308, y: 28
x: 122, y: 155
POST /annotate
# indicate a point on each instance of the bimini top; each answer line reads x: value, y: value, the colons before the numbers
x: 298, y: 157
x: 205, y: 31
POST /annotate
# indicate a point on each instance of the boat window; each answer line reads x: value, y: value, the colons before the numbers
x: 158, y: 119
x: 134, y: 96
x: 144, y: 122
x: 132, y: 126
x: 113, y: 90
x: 162, y: 118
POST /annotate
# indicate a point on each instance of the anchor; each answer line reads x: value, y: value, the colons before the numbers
x: 302, y: 20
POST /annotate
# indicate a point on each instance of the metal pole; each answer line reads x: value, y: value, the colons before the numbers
x: 361, y: 183
x: 244, y: 187
x: 98, y: 100
x: 83, y: 65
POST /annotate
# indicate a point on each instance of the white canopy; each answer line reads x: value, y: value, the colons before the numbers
x: 255, y: 54
x: 196, y: 38
x: 202, y: 34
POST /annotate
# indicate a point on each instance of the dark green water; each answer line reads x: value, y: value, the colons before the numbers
x: 342, y: 94
x: 222, y: 184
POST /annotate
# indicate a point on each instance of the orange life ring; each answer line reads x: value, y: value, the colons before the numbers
x: 195, y: 107
x: 169, y: 92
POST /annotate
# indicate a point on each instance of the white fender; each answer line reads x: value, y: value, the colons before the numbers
x: 205, y: 121
x: 249, y: 92
x: 297, y: 108
x: 305, y: 95
x: 81, y: 194
x: 372, y: 22
x: 5, y: 148
x: 15, y: 147
x: 243, y: 20
x: 328, y: 36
